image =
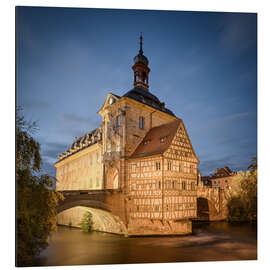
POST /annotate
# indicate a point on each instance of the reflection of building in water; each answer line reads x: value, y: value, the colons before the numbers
x: 141, y: 149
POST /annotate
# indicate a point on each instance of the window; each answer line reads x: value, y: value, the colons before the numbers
x: 109, y: 149
x: 90, y: 159
x: 192, y: 186
x: 144, y: 77
x: 98, y: 157
x: 118, y: 120
x: 141, y: 122
x: 156, y: 208
x: 133, y: 168
x: 118, y: 146
x: 183, y: 185
x: 174, y: 184
x: 146, y: 142
x: 169, y: 166
x: 157, y: 166
x: 168, y: 185
x: 180, y: 168
x: 163, y: 139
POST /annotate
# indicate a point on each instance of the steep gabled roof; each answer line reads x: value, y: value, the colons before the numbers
x: 153, y: 144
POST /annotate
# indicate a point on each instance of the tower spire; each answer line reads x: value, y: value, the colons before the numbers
x: 140, y: 68
x: 141, y: 50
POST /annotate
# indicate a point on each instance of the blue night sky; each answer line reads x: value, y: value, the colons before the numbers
x: 203, y: 66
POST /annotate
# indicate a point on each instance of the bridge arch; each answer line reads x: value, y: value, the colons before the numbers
x: 216, y: 201
x: 84, y: 203
x: 103, y: 221
x: 105, y: 206
x: 205, y: 209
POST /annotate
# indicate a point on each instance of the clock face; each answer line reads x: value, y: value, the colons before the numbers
x: 111, y: 100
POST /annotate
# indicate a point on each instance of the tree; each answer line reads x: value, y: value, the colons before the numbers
x: 242, y: 202
x: 87, y: 222
x: 36, y: 201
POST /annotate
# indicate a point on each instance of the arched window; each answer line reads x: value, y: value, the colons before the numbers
x: 144, y: 77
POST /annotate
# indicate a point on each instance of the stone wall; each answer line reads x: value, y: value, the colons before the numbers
x: 158, y: 227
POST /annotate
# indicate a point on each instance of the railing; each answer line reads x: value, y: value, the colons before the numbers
x: 93, y: 191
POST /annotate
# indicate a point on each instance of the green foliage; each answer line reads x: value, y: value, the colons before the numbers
x: 35, y: 200
x: 242, y: 203
x: 236, y: 210
x: 87, y: 222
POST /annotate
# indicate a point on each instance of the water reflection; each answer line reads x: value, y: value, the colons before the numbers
x: 209, y: 242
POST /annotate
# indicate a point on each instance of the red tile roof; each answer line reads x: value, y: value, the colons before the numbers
x: 157, y: 140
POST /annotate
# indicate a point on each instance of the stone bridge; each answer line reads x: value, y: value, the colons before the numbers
x: 211, y: 203
x: 107, y: 207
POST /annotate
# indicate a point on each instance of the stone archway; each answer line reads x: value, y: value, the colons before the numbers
x: 112, y: 179
x: 202, y: 209
x: 103, y: 221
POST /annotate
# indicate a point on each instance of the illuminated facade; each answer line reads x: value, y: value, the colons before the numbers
x: 143, y: 150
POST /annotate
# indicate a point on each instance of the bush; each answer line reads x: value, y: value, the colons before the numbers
x: 87, y: 222
x: 236, y: 210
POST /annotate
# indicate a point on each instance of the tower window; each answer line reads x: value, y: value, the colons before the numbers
x: 144, y: 77
x: 118, y: 121
x: 169, y: 166
x: 109, y: 149
x: 141, y: 122
x: 157, y: 166
x: 118, y: 146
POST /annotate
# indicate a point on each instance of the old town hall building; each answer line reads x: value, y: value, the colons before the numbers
x: 141, y: 149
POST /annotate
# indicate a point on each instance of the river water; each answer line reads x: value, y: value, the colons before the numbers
x: 214, y: 241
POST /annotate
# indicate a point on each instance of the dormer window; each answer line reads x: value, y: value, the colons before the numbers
x: 146, y: 142
x: 163, y: 139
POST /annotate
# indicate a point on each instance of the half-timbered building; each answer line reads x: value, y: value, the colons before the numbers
x: 142, y: 150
